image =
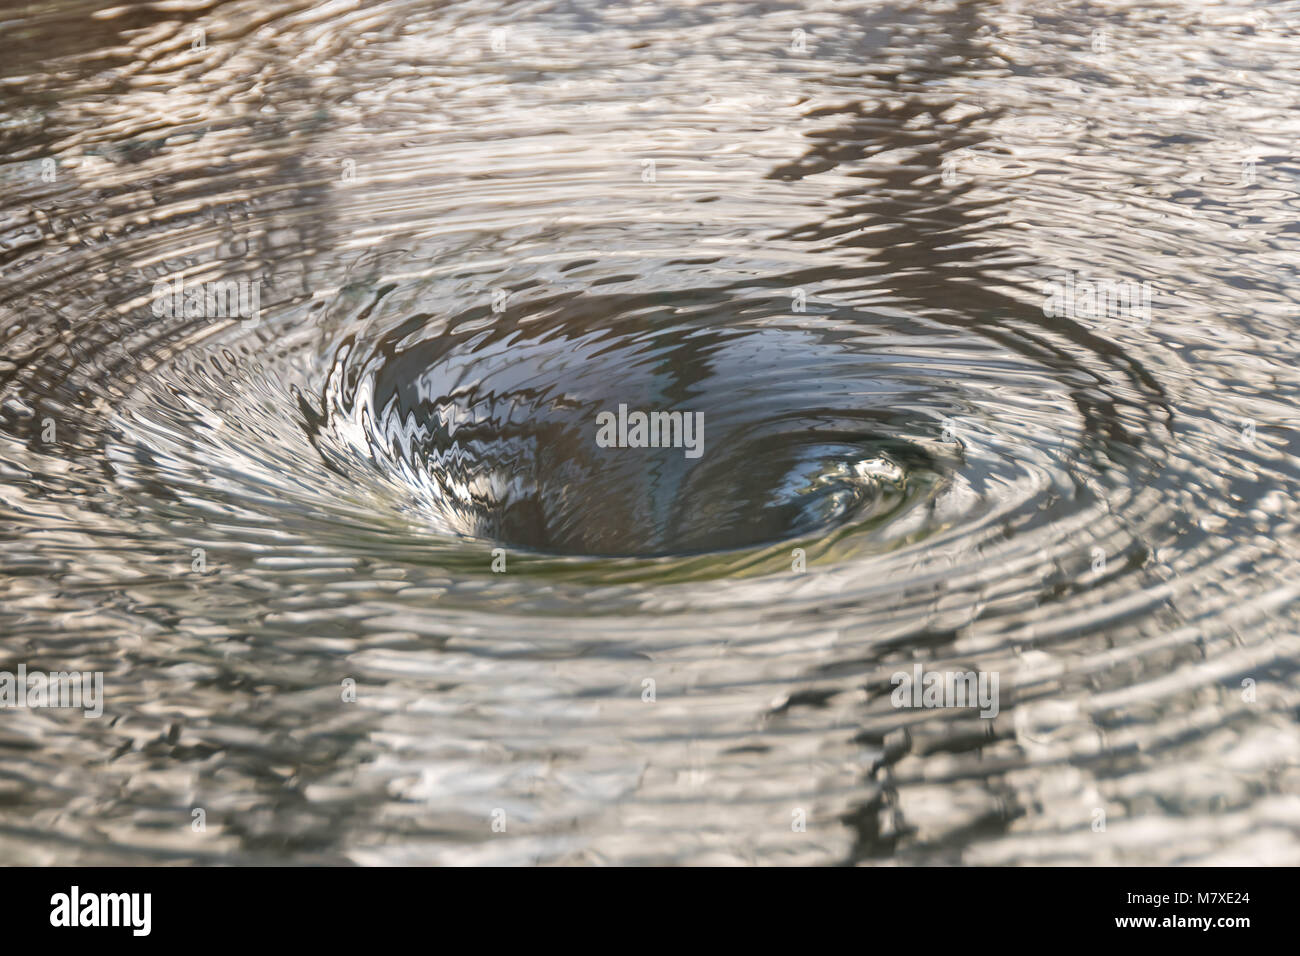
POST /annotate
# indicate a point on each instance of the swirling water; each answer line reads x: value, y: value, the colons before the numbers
x: 833, y: 229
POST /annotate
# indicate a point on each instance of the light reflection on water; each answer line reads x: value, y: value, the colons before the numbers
x: 829, y: 229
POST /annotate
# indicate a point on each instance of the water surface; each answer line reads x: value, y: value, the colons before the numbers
x: 831, y: 228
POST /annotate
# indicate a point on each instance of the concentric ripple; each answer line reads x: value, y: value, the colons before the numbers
x: 825, y: 234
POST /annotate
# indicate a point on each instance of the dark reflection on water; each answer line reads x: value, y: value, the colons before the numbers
x: 476, y: 226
